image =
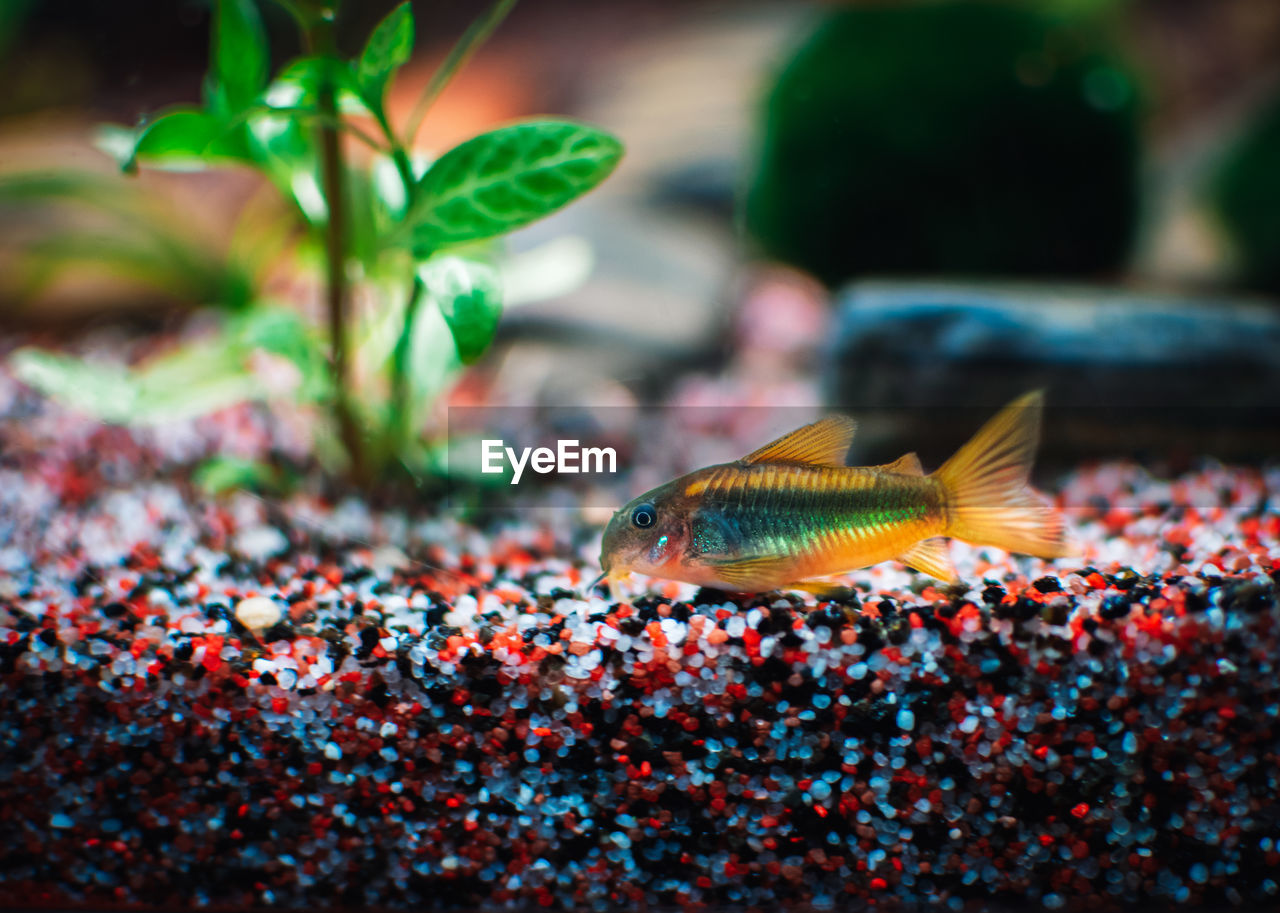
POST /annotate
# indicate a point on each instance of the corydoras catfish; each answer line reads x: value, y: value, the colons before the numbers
x: 792, y: 512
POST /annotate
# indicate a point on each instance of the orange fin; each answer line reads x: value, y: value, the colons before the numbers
x: 932, y: 557
x: 822, y: 443
x: 906, y: 465
x: 988, y: 498
x: 754, y: 575
x: 825, y: 589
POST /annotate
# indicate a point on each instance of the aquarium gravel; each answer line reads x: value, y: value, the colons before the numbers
x: 305, y: 703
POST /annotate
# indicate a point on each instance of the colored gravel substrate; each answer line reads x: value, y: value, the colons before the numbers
x: 1102, y: 731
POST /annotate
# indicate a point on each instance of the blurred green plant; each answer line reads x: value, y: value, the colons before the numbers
x: 12, y: 13
x: 1246, y: 196
x: 418, y: 237
x: 73, y: 221
x: 973, y: 137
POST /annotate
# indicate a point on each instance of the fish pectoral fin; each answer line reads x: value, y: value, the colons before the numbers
x: 932, y: 557
x: 822, y: 443
x: 826, y: 589
x: 906, y: 465
x: 754, y: 575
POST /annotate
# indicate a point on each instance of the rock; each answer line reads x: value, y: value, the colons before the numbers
x: 259, y: 542
x: 258, y: 613
x: 922, y: 362
x: 387, y: 559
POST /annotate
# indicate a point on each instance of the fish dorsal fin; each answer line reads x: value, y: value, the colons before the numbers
x: 822, y: 443
x: 930, y: 556
x: 906, y: 465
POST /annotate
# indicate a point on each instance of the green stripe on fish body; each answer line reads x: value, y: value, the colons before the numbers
x: 820, y: 515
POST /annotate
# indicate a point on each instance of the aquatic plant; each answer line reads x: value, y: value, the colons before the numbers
x: 418, y: 236
x: 930, y: 138
x: 1245, y: 193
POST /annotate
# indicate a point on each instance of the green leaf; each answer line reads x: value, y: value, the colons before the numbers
x: 281, y: 132
x: 193, y: 380
x: 177, y: 141
x: 433, y: 361
x: 388, y: 49
x: 469, y: 296
x: 365, y: 218
x: 239, y: 57
x: 182, y: 139
x: 283, y: 331
x: 119, y: 143
x: 388, y: 192
x: 222, y: 474
x: 285, y: 151
x: 298, y: 85
x: 507, y: 178
x: 103, y: 391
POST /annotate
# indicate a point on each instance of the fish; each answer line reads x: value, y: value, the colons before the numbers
x: 792, y: 513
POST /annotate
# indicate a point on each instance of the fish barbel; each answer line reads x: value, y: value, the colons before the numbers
x: 792, y: 512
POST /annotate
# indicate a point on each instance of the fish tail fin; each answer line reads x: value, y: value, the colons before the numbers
x: 988, y: 498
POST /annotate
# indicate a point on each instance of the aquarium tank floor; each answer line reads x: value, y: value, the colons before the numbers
x: 307, y: 703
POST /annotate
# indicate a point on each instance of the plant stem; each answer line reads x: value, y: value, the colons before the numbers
x: 400, y: 407
x: 399, y: 416
x: 459, y: 54
x: 399, y: 155
x: 333, y: 178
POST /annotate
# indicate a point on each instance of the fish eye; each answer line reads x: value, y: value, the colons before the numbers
x: 644, y: 516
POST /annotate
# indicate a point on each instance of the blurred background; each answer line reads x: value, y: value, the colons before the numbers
x: 911, y: 210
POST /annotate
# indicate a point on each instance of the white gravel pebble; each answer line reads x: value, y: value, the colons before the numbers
x: 258, y: 613
x: 259, y: 542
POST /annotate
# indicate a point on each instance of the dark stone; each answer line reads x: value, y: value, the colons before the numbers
x: 368, y: 640
x: 923, y: 365
x: 1114, y: 607
x: 993, y: 593
x: 378, y: 692
x: 1048, y: 585
x: 281, y: 630
x: 1195, y: 601
x: 434, y: 616
x: 1055, y: 614
x: 1248, y: 597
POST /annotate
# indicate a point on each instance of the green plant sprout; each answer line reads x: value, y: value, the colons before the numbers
x: 417, y: 237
